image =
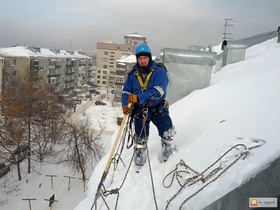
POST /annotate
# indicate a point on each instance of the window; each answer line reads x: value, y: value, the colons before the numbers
x: 36, y: 62
x: 126, y: 54
x: 104, y: 77
x: 14, y: 62
x: 119, y: 87
x: 52, y: 80
x: 13, y: 73
x: 119, y: 80
x: 104, y: 72
x: 68, y: 62
x: 118, y: 94
x: 106, y: 53
x: 105, y: 66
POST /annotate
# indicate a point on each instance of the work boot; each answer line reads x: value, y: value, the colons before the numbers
x: 140, y: 154
x: 140, y: 146
x: 168, y: 147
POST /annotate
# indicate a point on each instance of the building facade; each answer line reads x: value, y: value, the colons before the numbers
x: 63, y: 71
x: 108, y: 73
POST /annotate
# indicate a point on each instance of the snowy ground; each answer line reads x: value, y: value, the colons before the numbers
x: 38, y: 186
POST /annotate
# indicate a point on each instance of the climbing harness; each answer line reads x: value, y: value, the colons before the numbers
x: 140, y: 79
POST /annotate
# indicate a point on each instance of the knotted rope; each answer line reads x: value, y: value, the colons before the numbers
x: 177, y: 173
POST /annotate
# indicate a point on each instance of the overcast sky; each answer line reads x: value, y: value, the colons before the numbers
x: 79, y: 24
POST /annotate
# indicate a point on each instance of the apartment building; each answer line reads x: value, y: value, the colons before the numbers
x: 124, y: 65
x: 66, y: 72
x: 107, y: 54
x: 110, y: 73
x: 1, y: 73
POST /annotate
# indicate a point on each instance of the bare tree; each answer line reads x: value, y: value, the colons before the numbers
x: 28, y: 107
x: 12, y: 135
x: 46, y: 133
x: 82, y: 146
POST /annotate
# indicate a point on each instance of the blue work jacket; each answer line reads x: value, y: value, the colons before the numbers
x: 155, y: 91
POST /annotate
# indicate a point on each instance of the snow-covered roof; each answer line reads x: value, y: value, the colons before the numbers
x: 17, y: 51
x: 232, y: 117
x: 130, y: 59
x: 23, y: 51
x: 127, y: 59
x: 135, y: 35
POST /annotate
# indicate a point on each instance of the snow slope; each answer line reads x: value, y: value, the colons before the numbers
x: 240, y: 109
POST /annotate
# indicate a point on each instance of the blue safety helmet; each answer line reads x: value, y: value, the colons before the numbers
x: 143, y: 49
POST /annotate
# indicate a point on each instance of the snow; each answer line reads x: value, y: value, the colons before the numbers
x: 239, y: 109
x: 38, y: 185
x: 241, y: 106
x: 23, y: 51
x: 134, y: 35
x: 130, y: 59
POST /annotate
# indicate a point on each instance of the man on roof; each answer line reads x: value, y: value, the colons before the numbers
x: 145, y: 88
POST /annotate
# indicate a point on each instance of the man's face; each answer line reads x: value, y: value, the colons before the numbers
x: 143, y: 60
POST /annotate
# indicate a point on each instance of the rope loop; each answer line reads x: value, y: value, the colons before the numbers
x: 208, y: 178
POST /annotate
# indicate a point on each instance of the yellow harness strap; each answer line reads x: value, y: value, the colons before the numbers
x: 140, y: 79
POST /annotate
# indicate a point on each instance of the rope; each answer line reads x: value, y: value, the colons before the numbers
x: 152, y: 180
x: 119, y: 150
x: 145, y: 115
x: 200, y: 176
x: 116, y: 190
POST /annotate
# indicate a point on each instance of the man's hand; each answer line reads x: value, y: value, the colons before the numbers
x: 127, y: 110
x: 132, y: 98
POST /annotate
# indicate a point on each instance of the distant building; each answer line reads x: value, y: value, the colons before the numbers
x: 108, y: 73
x: 1, y: 73
x: 124, y: 65
x: 65, y: 72
x: 134, y: 39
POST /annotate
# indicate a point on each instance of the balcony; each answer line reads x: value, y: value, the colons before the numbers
x: 69, y: 66
x: 53, y: 75
x: 34, y: 67
x: 51, y: 67
x: 69, y: 72
x: 69, y: 81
